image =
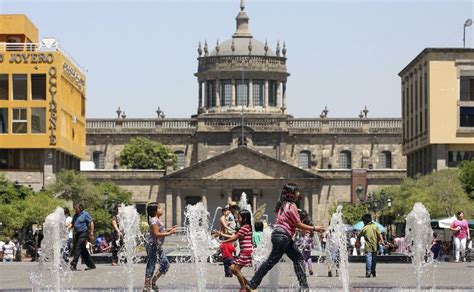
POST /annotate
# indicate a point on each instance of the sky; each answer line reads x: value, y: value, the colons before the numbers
x: 341, y: 54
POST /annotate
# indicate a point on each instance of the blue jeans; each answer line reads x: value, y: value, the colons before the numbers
x: 282, y: 244
x: 155, y: 253
x: 370, y: 261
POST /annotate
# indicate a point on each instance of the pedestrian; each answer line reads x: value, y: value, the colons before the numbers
x: 228, y: 253
x: 68, y: 225
x: 352, y: 242
x: 9, y: 251
x: 226, y: 221
x: 435, y: 246
x: 461, y: 235
x: 373, y: 238
x: 154, y: 247
x: 282, y: 238
x: 232, y: 217
x: 257, y: 233
x: 117, y: 236
x: 244, y: 235
x: 83, y: 225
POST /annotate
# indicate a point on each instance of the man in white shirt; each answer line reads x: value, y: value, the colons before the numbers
x: 9, y: 251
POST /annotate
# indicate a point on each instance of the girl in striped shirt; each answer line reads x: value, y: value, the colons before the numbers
x: 244, y: 235
x: 282, y: 238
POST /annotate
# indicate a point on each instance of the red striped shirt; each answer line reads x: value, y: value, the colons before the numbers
x: 287, y: 218
x: 245, y: 238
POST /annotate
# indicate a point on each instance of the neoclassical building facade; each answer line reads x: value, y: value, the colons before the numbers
x: 243, y: 139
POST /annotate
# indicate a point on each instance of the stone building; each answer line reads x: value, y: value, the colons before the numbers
x: 243, y: 140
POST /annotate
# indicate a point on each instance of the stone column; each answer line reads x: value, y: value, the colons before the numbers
x: 314, y: 208
x: 254, y: 202
x: 204, y: 89
x: 250, y: 105
x: 48, y: 167
x: 278, y: 97
x: 178, y: 211
x: 169, y: 208
x: 233, y: 103
x: 284, y: 96
x: 218, y: 93
x: 204, y: 198
x: 306, y: 202
x: 265, y: 95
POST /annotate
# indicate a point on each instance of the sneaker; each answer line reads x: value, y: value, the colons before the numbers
x: 367, y: 275
x: 73, y: 268
x: 248, y: 288
x: 373, y: 274
x: 329, y: 274
x: 90, y: 268
x: 464, y: 259
x: 456, y: 261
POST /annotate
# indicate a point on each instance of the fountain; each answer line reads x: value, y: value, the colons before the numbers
x: 214, y: 218
x: 199, y: 240
x: 129, y: 222
x: 55, y: 236
x: 337, y: 243
x: 418, y: 236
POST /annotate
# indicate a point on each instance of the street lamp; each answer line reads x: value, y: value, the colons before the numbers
x: 467, y: 23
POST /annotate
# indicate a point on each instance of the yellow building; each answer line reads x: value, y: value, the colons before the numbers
x: 42, y: 105
x: 438, y: 109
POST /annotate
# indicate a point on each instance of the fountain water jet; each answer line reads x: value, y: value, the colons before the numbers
x: 337, y: 243
x: 129, y: 222
x: 418, y: 236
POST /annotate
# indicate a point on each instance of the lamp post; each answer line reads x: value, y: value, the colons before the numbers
x: 467, y: 23
x: 375, y: 204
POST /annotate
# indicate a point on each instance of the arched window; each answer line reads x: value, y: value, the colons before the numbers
x: 386, y: 159
x: 345, y: 159
x: 304, y: 159
x: 98, y: 158
x: 181, y: 159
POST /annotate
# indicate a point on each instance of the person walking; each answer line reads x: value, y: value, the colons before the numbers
x: 68, y: 224
x: 282, y: 238
x: 83, y: 225
x: 461, y: 234
x: 154, y: 247
x: 117, y: 236
x: 373, y: 238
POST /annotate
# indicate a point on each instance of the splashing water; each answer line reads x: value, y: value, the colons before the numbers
x: 55, y: 237
x: 214, y: 218
x: 129, y: 223
x: 418, y: 235
x: 199, y: 240
x: 262, y: 251
x: 336, y: 246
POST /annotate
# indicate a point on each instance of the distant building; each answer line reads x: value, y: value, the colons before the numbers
x: 438, y: 109
x: 42, y: 105
x: 243, y: 140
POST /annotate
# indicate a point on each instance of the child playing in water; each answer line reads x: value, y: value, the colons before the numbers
x: 228, y: 252
x: 244, y: 235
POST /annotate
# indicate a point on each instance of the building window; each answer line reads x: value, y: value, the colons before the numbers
x: 304, y: 159
x: 226, y: 92
x: 98, y: 158
x: 466, y: 116
x: 20, y: 86
x: 211, y: 93
x: 38, y: 120
x: 181, y: 159
x: 456, y: 157
x: 3, y: 120
x: 467, y: 88
x: 258, y: 89
x: 345, y: 159
x: 3, y: 86
x: 272, y: 92
x: 242, y: 92
x: 19, y: 121
x: 38, y: 86
x: 386, y: 159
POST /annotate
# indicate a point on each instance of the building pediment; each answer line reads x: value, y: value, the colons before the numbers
x: 242, y: 163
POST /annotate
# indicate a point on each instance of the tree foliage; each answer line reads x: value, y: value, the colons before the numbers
x: 351, y: 213
x: 466, y: 176
x: 72, y: 186
x: 143, y: 153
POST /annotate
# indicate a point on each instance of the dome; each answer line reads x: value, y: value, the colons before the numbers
x: 242, y: 48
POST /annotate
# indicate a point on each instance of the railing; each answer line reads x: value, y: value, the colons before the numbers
x: 138, y: 124
x: 40, y: 47
x: 269, y: 62
x: 385, y: 125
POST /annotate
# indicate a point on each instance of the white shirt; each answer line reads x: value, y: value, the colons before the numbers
x: 362, y: 242
x: 8, y: 250
x: 69, y: 221
x: 353, y: 241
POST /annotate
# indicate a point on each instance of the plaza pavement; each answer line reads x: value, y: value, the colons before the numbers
x: 182, y: 276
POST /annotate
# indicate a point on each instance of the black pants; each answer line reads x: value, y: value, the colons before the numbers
x: 80, y: 250
x: 116, y: 244
x: 282, y: 244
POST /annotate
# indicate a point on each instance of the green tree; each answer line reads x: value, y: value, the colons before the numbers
x: 72, y: 186
x: 143, y: 153
x: 466, y: 176
x: 115, y: 194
